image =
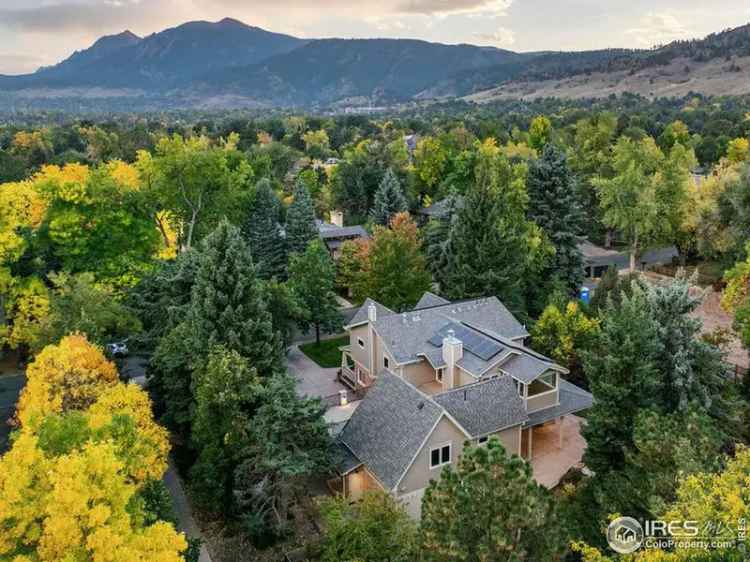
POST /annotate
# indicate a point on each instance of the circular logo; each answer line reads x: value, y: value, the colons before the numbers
x: 625, y: 535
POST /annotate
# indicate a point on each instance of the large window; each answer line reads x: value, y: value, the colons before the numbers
x: 440, y: 456
x: 545, y: 383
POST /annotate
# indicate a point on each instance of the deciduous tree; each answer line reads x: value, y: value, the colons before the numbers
x: 312, y: 281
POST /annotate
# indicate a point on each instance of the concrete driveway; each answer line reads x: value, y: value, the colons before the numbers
x: 312, y: 380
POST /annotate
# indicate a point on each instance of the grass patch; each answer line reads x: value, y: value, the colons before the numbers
x: 327, y: 354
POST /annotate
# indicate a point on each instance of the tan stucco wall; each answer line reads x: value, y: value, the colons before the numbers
x: 419, y: 373
x: 359, y: 354
x: 541, y: 401
x: 420, y: 474
x: 463, y: 378
x: 510, y: 438
x: 381, y: 352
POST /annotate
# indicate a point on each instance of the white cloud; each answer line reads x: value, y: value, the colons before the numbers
x: 657, y: 28
x: 501, y: 37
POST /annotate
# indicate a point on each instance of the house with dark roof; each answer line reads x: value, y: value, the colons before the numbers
x: 335, y: 234
x: 436, y: 377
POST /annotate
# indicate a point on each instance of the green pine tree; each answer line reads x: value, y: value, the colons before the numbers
x: 493, y: 250
x: 227, y: 306
x: 489, y: 508
x: 623, y: 373
x: 436, y: 235
x: 300, y: 220
x: 554, y: 206
x: 263, y: 233
x: 227, y: 394
x: 312, y: 279
x: 389, y: 200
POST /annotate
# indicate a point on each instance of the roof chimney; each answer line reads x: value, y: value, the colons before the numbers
x: 372, y: 312
x: 453, y: 351
x: 337, y: 218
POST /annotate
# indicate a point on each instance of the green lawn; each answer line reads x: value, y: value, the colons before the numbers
x: 326, y: 354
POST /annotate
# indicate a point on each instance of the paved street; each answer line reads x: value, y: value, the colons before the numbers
x: 182, y: 509
x: 10, y: 388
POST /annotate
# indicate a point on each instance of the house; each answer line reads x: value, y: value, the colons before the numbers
x: 334, y: 234
x: 436, y: 377
x: 597, y: 260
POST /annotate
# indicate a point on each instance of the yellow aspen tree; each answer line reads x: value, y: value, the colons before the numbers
x: 67, y: 376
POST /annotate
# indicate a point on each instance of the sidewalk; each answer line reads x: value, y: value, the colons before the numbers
x: 185, y: 521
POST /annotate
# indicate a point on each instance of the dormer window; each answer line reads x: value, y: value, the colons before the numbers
x: 439, y: 374
x: 361, y: 343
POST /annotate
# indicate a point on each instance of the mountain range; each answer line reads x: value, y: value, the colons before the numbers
x: 229, y: 63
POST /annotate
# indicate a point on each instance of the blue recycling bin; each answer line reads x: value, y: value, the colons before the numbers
x: 585, y: 295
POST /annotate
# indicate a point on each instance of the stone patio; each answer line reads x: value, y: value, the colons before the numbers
x: 549, y: 461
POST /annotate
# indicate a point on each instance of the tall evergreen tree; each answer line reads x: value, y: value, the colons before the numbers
x: 493, y: 250
x: 227, y: 306
x: 554, y: 206
x: 300, y: 220
x: 263, y: 233
x: 389, y: 200
x: 436, y: 235
x: 489, y: 508
x: 313, y: 282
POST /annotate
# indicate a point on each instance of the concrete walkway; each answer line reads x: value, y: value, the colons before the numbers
x: 185, y: 521
x: 312, y: 380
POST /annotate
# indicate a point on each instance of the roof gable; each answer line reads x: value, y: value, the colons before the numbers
x: 389, y: 427
x: 485, y: 407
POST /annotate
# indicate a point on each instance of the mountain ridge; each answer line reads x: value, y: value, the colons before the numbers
x: 186, y: 65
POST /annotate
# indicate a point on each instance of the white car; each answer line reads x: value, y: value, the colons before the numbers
x: 118, y: 349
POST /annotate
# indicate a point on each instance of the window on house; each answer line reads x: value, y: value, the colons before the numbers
x: 483, y: 440
x: 440, y: 456
x: 386, y: 363
x: 439, y: 374
x: 361, y: 343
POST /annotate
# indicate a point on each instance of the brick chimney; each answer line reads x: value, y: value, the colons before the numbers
x: 453, y: 351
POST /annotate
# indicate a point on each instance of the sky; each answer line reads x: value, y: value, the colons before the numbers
x: 34, y: 33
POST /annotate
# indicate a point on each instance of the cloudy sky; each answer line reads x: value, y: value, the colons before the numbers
x: 40, y: 32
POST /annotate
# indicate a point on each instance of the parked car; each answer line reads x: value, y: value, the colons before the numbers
x: 118, y: 349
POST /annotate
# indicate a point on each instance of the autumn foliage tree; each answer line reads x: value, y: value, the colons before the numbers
x: 63, y: 377
x: 77, y: 506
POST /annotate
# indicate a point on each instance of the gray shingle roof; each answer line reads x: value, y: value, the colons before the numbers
x: 525, y: 367
x: 429, y: 300
x: 389, y: 427
x: 572, y: 399
x: 594, y: 255
x: 361, y: 315
x: 407, y: 335
x: 485, y: 407
x: 329, y: 232
x: 343, y: 459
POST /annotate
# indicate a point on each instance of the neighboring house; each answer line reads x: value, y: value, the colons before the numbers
x: 597, y: 260
x: 436, y: 377
x: 334, y: 236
